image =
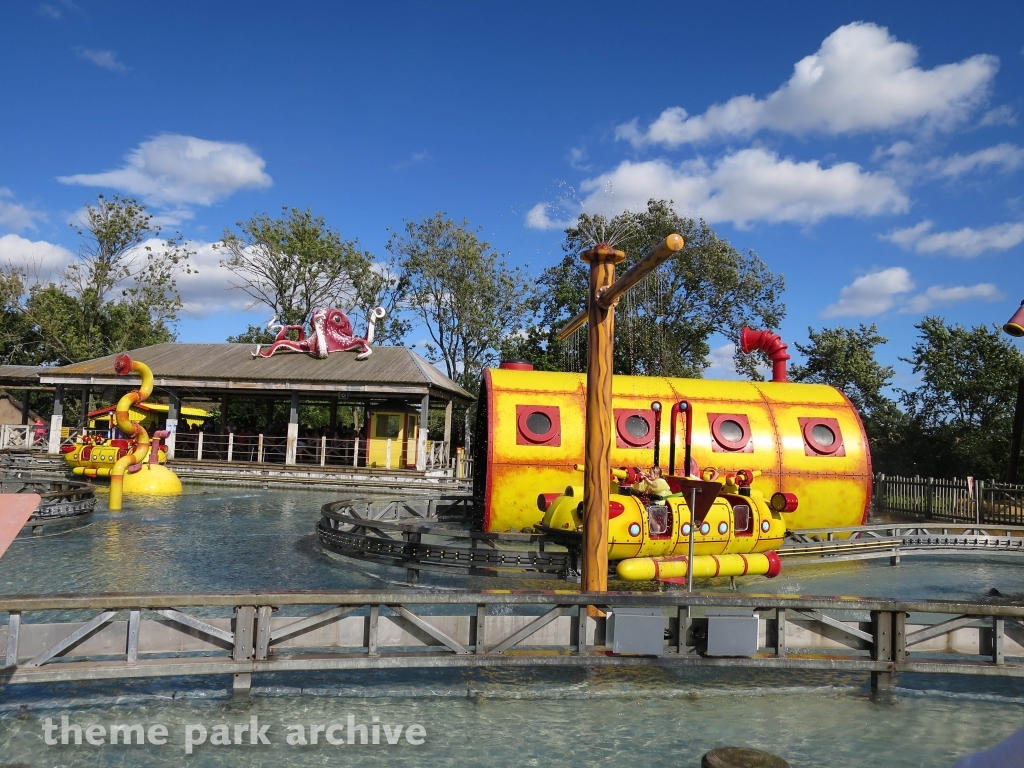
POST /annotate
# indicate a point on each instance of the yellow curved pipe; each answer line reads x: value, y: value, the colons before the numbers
x: 122, y: 367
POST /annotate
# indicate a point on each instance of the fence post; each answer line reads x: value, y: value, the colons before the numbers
x: 355, y: 453
x: 231, y: 444
x: 387, y: 455
x: 879, y: 495
x: 979, y: 489
x: 259, y: 449
x: 930, y: 500
x: 199, y: 448
x: 323, y: 450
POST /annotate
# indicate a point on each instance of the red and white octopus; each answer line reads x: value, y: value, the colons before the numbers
x: 332, y: 332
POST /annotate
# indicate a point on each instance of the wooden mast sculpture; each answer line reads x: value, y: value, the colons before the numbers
x: 600, y: 313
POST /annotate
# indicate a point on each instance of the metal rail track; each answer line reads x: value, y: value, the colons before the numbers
x: 435, y: 534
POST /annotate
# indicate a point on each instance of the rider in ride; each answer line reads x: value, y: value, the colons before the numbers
x: 653, y: 484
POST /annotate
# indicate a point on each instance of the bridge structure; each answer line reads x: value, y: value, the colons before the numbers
x: 120, y: 636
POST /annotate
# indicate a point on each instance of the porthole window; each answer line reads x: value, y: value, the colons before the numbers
x: 822, y: 437
x: 730, y: 433
x: 634, y: 428
x: 538, y: 425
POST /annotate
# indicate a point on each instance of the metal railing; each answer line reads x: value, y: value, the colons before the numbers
x: 315, y: 450
x: 21, y: 437
x: 241, y: 634
x: 957, y: 500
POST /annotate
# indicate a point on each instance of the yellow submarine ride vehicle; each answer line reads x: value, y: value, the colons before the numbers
x: 136, y: 464
x: 802, y: 439
x: 735, y: 529
x: 95, y: 455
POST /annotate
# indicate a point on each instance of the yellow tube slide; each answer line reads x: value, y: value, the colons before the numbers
x: 122, y: 367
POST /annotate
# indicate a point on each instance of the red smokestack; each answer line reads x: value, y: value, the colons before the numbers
x: 769, y: 343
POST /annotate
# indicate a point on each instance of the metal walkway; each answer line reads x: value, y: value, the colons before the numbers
x: 134, y: 636
x: 899, y: 540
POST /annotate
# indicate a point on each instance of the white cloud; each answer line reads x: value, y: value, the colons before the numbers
x: 1003, y: 157
x: 40, y: 258
x: 174, y: 170
x: 104, y: 59
x: 722, y: 360
x: 871, y: 294
x: 208, y: 289
x: 966, y: 243
x: 538, y: 218
x: 749, y: 185
x: 1002, y: 115
x: 414, y: 159
x: 15, y: 216
x: 860, y: 79
x: 577, y: 158
x: 938, y: 294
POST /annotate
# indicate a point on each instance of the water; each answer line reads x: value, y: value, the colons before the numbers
x: 260, y: 540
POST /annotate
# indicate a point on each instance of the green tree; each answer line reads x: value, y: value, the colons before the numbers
x: 962, y: 410
x: 845, y: 358
x: 663, y: 325
x: 466, y: 296
x: 294, y: 264
x: 121, y: 292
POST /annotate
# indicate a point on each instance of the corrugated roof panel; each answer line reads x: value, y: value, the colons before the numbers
x: 234, y: 362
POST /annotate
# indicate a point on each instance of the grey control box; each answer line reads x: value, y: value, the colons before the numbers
x: 637, y: 631
x: 732, y: 632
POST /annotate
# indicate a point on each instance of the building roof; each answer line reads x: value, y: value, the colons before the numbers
x: 388, y: 371
x: 21, y: 376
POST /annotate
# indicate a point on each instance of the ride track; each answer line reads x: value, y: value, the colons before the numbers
x: 435, y: 535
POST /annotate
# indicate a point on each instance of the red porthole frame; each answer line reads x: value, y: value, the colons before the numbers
x: 811, y: 448
x: 720, y: 443
x: 525, y: 436
x: 622, y: 437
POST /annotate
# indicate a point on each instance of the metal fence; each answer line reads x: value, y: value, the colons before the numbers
x: 132, y: 636
x: 957, y: 500
x: 314, y: 450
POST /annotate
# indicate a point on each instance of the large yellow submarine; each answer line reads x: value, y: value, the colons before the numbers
x: 805, y: 440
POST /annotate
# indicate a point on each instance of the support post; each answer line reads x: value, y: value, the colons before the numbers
x: 882, y: 651
x: 1015, y: 436
x: 334, y: 412
x: 83, y: 418
x: 421, y: 438
x: 293, y: 430
x: 597, y: 462
x: 56, y: 421
x: 448, y: 430
x: 173, y: 414
x: 24, y: 406
x: 245, y: 617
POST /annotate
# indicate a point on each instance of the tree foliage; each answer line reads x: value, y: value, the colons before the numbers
x: 120, y: 294
x: 962, y: 410
x: 293, y: 264
x: 663, y: 325
x: 466, y: 296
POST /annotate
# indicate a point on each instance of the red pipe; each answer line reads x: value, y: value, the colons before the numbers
x: 769, y: 343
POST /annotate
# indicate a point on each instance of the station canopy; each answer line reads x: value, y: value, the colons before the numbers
x: 214, y: 370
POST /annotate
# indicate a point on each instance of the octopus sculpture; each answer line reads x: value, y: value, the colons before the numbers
x: 332, y: 332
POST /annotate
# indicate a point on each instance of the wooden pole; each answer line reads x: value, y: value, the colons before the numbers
x: 658, y: 255
x: 597, y: 465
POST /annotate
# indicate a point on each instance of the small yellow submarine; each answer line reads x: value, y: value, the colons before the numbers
x: 735, y: 529
x: 95, y: 456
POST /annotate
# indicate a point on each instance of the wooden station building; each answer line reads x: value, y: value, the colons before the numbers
x: 394, y: 390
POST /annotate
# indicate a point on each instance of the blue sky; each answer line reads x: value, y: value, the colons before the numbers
x: 870, y: 152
